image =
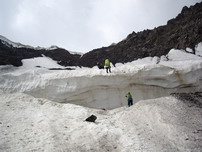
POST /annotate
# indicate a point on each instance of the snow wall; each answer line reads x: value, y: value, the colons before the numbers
x: 97, y: 89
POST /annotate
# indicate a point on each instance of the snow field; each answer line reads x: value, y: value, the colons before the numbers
x: 36, y: 124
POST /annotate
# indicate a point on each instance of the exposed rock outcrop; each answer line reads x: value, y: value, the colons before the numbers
x: 13, y: 55
x: 184, y: 31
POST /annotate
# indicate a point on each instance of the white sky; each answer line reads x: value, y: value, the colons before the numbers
x: 79, y: 25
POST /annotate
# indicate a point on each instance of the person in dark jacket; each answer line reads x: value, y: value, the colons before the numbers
x: 99, y: 65
x: 130, y: 99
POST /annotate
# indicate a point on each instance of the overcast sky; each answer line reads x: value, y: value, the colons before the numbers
x: 82, y: 25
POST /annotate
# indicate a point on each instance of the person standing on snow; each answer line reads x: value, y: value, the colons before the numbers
x: 107, y: 65
x: 130, y: 99
x: 100, y: 66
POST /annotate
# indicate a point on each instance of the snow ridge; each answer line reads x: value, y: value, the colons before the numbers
x: 9, y: 43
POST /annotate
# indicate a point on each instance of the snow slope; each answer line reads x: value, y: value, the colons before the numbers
x: 146, y: 78
x: 36, y: 124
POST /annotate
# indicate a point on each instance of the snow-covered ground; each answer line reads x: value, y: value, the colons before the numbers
x: 34, y: 124
x: 37, y: 114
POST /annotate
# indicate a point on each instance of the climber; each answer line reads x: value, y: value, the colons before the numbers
x: 99, y: 65
x: 107, y: 65
x: 130, y: 99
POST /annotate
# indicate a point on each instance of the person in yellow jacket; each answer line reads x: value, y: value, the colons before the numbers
x: 130, y: 99
x: 107, y: 65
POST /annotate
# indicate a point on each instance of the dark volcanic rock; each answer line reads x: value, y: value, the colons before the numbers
x: 182, y: 32
x: 13, y: 56
x: 190, y: 99
x: 91, y: 118
x: 63, y: 57
x: 61, y: 69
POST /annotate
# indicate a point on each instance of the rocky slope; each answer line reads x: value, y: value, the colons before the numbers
x: 184, y: 31
x: 12, y: 53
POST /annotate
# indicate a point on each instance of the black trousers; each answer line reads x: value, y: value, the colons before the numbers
x: 108, y: 69
x: 130, y: 102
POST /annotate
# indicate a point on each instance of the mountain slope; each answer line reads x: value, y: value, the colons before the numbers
x: 185, y: 31
x: 12, y: 53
